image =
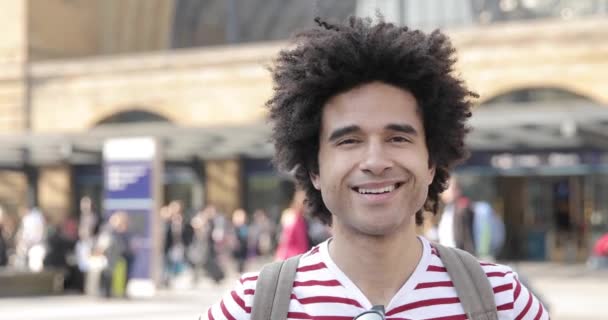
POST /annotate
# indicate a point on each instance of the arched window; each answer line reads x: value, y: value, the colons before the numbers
x: 536, y: 95
x: 133, y: 116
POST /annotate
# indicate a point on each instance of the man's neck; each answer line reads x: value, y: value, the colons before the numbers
x: 379, y: 266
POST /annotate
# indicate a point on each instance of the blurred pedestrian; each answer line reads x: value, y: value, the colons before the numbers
x: 114, y: 244
x: 294, y: 237
x: 599, y: 256
x: 216, y: 244
x: 240, y: 246
x: 471, y: 226
x: 31, y: 239
x: 197, y: 251
x: 317, y: 231
x: 88, y: 221
x: 488, y: 231
x: 261, y: 231
x: 88, y: 229
x: 178, y: 237
x: 456, y: 223
x: 60, y: 248
x: 3, y: 239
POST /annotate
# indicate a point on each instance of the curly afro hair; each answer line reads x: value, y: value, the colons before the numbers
x: 333, y: 58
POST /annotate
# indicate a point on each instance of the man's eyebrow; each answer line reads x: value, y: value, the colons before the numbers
x: 340, y: 132
x: 405, y: 128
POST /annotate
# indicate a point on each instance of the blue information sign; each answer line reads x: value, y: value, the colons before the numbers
x: 130, y: 183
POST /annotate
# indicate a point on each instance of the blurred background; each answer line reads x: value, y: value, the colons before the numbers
x: 194, y: 199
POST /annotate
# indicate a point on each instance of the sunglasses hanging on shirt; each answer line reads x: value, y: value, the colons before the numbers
x: 375, y: 313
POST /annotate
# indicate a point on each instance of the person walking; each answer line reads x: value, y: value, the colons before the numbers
x: 240, y: 244
x: 3, y: 239
x: 294, y: 238
x: 457, y: 220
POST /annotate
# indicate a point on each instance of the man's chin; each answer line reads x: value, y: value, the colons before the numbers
x: 381, y: 230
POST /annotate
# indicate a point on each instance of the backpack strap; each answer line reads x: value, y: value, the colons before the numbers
x: 273, y: 290
x: 471, y: 283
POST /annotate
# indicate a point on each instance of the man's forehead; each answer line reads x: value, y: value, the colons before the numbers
x: 354, y: 120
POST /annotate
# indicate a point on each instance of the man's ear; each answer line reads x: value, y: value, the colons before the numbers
x: 432, y: 170
x: 314, y: 178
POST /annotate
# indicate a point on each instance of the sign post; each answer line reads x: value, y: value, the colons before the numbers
x: 133, y: 184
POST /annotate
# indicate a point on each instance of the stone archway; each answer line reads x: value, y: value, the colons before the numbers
x: 537, y: 94
x: 545, y: 140
x: 132, y: 116
x: 490, y: 92
x: 129, y: 115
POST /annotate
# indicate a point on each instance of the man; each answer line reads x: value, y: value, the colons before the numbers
x: 457, y: 220
x: 31, y: 239
x: 370, y: 118
x: 178, y: 237
x: 115, y: 244
x: 3, y: 239
x: 88, y: 225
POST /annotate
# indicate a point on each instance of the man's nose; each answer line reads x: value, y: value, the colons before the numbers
x: 376, y: 159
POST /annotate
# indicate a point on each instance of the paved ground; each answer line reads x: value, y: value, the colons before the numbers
x: 183, y: 304
x: 572, y: 292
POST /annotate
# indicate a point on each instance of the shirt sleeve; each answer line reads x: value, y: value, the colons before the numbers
x: 526, y: 306
x: 235, y: 304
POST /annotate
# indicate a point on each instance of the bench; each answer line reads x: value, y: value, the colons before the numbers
x: 14, y: 283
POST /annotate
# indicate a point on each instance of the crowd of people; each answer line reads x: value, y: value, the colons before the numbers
x: 96, y: 253
x: 24, y: 244
x: 473, y: 226
x: 210, y: 240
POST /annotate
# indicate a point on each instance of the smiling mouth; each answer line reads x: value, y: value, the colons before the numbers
x: 382, y: 190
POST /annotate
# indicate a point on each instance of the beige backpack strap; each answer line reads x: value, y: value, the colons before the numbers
x: 471, y: 283
x: 273, y: 290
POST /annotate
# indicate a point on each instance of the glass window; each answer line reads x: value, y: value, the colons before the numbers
x: 213, y: 22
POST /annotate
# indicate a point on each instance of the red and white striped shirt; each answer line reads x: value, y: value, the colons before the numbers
x: 321, y: 291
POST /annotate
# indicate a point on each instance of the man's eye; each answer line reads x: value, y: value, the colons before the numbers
x: 347, y: 141
x: 399, y: 139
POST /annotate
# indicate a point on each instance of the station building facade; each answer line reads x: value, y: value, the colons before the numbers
x: 194, y: 75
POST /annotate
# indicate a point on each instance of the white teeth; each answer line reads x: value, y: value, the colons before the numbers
x: 379, y: 190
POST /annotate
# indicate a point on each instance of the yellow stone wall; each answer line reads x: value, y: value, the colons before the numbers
x: 229, y: 85
x: 13, y: 31
x: 571, y: 56
x: 217, y: 86
x: 224, y: 85
x: 12, y: 96
x: 13, y: 53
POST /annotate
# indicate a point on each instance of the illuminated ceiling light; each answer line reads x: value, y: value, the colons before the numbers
x: 568, y: 129
x: 530, y: 4
x: 485, y: 17
x: 508, y: 5
x: 567, y: 13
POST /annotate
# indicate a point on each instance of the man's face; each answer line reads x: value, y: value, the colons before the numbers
x: 373, y: 161
x: 85, y: 204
